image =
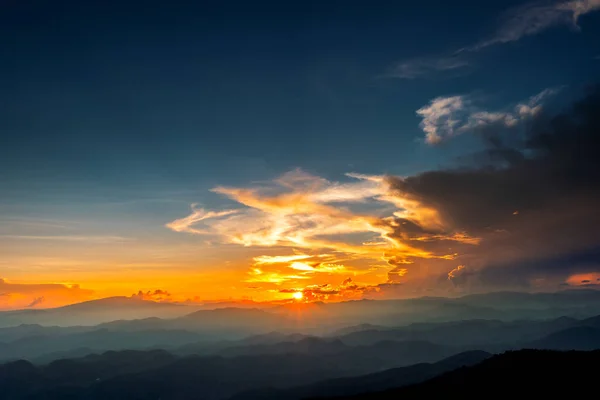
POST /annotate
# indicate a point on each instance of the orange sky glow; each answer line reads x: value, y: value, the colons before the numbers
x: 329, y: 241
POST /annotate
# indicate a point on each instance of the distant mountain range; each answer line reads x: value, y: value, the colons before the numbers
x: 180, y: 363
x: 234, y: 332
x: 94, y: 312
x: 317, y: 317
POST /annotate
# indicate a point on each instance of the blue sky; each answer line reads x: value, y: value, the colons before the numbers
x: 119, y: 116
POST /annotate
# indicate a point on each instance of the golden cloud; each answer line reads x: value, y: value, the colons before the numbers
x: 324, y: 220
x: 280, y: 259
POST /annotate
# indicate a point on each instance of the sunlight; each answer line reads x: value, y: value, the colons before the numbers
x: 298, y: 295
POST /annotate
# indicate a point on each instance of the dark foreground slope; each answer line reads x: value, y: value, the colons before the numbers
x: 158, y: 374
x: 537, y: 373
x: 366, y: 383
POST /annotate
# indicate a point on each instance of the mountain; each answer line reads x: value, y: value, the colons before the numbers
x: 236, y: 304
x: 354, y: 359
x: 304, y: 362
x: 36, y: 347
x: 592, y: 322
x: 358, y: 328
x: 321, y: 318
x: 391, y: 378
x: 385, y: 312
x: 576, y: 338
x: 230, y: 332
x: 537, y: 373
x: 307, y: 345
x: 501, y: 306
x: 94, y: 312
x: 218, y: 324
x: 522, y: 300
x: 27, y: 330
x: 236, y: 318
x: 208, y: 378
x: 272, y: 338
x: 20, y: 379
x: 463, y: 333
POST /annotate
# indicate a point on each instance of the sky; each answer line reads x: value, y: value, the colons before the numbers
x: 203, y: 151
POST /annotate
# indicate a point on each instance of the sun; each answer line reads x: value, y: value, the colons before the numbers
x: 298, y: 295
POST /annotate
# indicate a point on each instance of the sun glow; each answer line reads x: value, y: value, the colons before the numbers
x: 298, y: 295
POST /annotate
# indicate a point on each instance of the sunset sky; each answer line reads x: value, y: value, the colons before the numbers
x: 191, y: 151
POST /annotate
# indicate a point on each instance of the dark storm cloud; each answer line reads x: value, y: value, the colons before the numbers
x: 535, y: 201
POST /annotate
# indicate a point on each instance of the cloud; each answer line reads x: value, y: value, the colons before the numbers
x: 347, y: 290
x: 455, y: 272
x: 330, y: 219
x: 197, y: 215
x: 441, y: 117
x: 280, y: 259
x: 459, y: 276
x: 36, y: 301
x: 518, y: 22
x: 331, y: 228
x: 396, y: 274
x: 552, y: 179
x: 535, y: 17
x: 445, y: 117
x: 23, y: 295
x: 157, y: 295
x: 530, y: 220
x: 278, y: 269
x: 89, y: 239
x: 418, y: 67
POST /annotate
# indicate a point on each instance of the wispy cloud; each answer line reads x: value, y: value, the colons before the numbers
x: 418, y: 67
x: 516, y: 23
x: 70, y: 238
x: 455, y: 272
x: 36, y: 223
x: 280, y: 259
x: 35, y: 302
x: 445, y: 117
x: 197, y: 215
x: 536, y: 17
x: 329, y: 221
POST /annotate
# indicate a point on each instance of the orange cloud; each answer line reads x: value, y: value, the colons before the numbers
x: 455, y: 272
x: 585, y: 279
x: 347, y: 290
x: 332, y: 220
x: 280, y: 259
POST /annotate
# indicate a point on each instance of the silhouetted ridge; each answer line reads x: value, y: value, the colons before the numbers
x: 537, y: 373
x: 371, y: 382
x: 576, y: 338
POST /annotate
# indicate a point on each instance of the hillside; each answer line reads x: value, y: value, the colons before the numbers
x: 371, y: 382
x: 538, y: 373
